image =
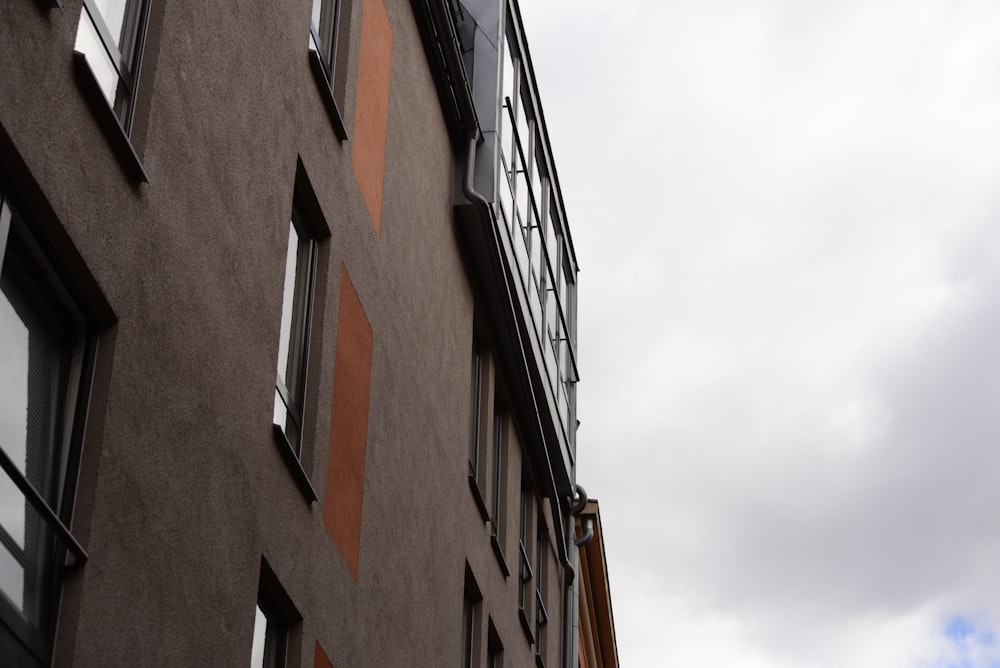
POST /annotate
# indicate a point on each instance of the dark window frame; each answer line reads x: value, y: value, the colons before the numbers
x: 472, y: 609
x: 116, y: 123
x: 525, y: 571
x: 479, y: 391
x: 291, y: 401
x: 282, y: 620
x: 323, y: 62
x: 32, y: 263
x: 498, y: 491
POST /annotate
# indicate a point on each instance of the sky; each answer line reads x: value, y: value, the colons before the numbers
x: 787, y: 217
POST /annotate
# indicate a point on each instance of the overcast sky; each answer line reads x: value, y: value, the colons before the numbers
x: 787, y: 215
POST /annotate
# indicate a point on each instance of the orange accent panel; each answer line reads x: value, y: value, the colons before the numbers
x: 579, y: 651
x: 322, y: 660
x: 345, y: 467
x: 371, y: 110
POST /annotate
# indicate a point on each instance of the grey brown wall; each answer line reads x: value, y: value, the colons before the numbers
x: 182, y: 488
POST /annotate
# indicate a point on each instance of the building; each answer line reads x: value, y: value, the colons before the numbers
x: 288, y: 338
x: 598, y: 647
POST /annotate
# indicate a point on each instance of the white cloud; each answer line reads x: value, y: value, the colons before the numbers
x: 786, y: 217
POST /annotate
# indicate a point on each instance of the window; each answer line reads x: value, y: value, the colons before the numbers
x: 494, y: 648
x: 498, y: 500
x: 293, y: 344
x: 541, y: 570
x: 275, y: 617
x: 478, y: 423
x: 45, y: 359
x: 525, y: 574
x: 471, y: 612
x: 475, y: 411
x: 323, y: 38
x: 269, y: 639
x: 110, y: 39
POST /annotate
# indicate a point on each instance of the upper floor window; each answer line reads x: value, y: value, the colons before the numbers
x: 110, y: 37
x: 45, y: 357
x: 479, y: 424
x: 324, y: 35
x: 296, y: 316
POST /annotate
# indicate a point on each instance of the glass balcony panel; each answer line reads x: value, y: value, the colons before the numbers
x: 506, y: 198
x: 535, y: 246
x: 521, y: 194
x: 534, y: 301
x: 520, y: 253
x: 509, y: 72
x: 521, y: 117
x: 507, y: 145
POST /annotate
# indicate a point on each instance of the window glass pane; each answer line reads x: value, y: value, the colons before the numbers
x: 113, y: 13
x: 324, y: 19
x: 25, y: 558
x: 317, y: 11
x: 475, y: 409
x: 300, y: 311
x: 521, y: 115
x: 122, y: 19
x: 89, y: 44
x: 259, y: 638
x: 34, y: 361
x: 36, y: 347
x: 288, y: 304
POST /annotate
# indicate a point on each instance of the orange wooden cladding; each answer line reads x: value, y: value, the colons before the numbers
x: 371, y: 112
x: 345, y: 470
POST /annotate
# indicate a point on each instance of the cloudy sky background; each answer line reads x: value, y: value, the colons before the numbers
x: 787, y: 215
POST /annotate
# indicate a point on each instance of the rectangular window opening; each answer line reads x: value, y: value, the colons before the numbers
x: 327, y: 18
x: 298, y: 294
x: 110, y: 37
x: 46, y: 357
x: 275, y: 621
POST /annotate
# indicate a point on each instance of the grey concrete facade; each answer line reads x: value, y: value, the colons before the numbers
x: 182, y: 490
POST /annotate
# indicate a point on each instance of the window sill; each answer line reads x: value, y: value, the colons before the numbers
x: 319, y: 73
x: 498, y: 551
x: 107, y: 120
x: 294, y: 465
x: 477, y: 494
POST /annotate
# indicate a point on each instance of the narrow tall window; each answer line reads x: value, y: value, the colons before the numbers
x: 479, y: 426
x: 541, y: 571
x: 498, y: 488
x: 524, y: 571
x: 110, y: 37
x: 45, y: 354
x: 275, y: 619
x: 494, y: 648
x: 471, y: 621
x: 475, y: 410
x: 324, y: 33
x: 296, y: 315
x: 269, y: 638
